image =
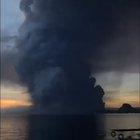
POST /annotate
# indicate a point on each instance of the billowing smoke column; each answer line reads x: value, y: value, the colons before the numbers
x: 55, y: 45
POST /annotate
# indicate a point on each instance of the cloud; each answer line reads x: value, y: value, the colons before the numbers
x: 121, y: 52
x: 8, y: 63
x: 11, y: 18
x: 111, y: 38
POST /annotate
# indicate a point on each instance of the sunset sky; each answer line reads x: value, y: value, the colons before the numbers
x: 118, y: 90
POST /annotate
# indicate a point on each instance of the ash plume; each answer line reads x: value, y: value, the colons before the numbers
x: 56, y: 43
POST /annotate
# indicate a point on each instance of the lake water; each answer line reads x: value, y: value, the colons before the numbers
x: 16, y: 127
x: 122, y: 121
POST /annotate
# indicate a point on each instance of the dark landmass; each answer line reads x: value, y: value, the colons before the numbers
x: 125, y: 108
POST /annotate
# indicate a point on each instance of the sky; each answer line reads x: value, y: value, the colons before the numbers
x: 120, y: 87
x: 12, y: 94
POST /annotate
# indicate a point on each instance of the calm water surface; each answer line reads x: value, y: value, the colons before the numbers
x: 16, y: 127
x: 122, y: 121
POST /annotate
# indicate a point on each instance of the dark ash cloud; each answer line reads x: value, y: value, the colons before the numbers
x: 65, y: 41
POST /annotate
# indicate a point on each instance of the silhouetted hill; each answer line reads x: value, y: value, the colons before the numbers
x: 125, y: 108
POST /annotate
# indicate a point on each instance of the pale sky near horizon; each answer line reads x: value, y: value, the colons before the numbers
x: 127, y: 92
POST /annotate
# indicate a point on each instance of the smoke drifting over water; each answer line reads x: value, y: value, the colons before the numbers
x: 57, y: 42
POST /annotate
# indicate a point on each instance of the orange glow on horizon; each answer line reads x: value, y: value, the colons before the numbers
x: 113, y: 103
x: 131, y: 98
x: 118, y: 103
x: 6, y: 104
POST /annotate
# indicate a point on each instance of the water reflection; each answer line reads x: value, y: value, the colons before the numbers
x: 13, y: 127
x: 36, y: 127
x: 42, y: 127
